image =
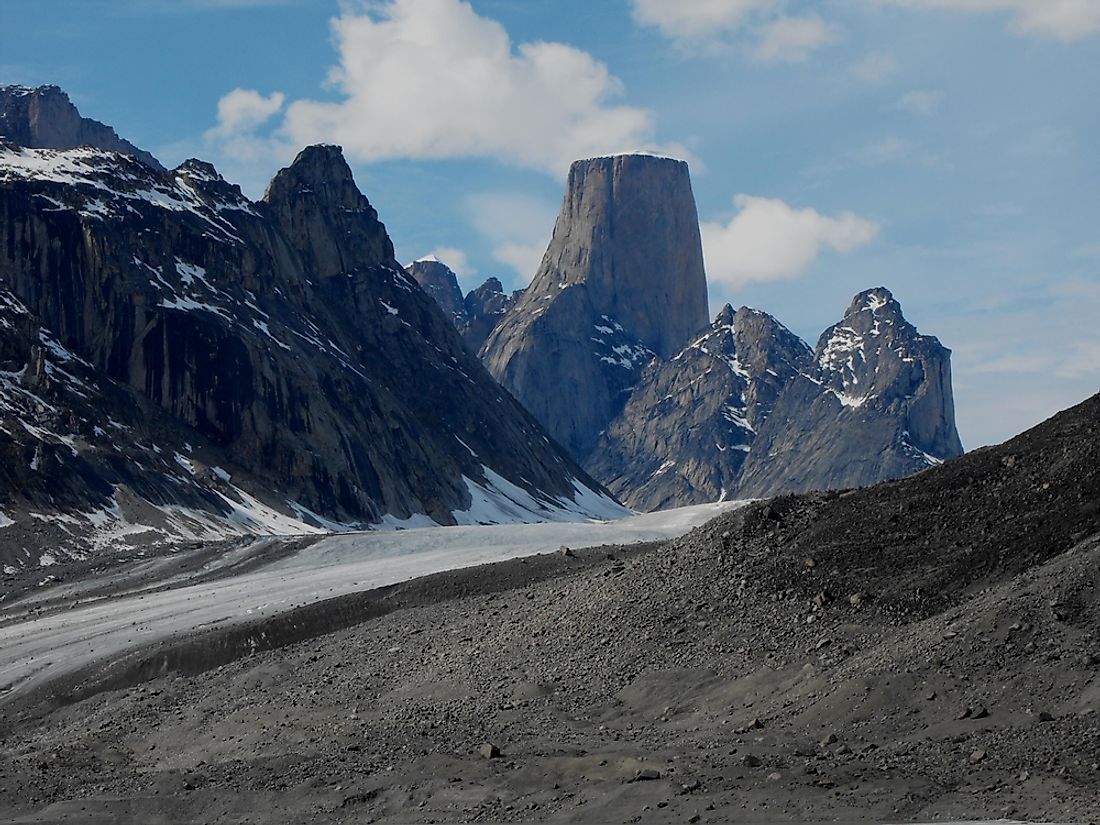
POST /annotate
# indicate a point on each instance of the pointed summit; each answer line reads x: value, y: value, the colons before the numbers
x: 319, y: 207
x: 875, y: 404
x: 691, y: 420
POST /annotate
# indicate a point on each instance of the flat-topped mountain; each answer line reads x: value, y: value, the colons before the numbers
x: 622, y: 280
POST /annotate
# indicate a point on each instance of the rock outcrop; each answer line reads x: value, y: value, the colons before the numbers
x: 621, y: 281
x: 691, y: 420
x: 278, y: 341
x: 45, y: 118
x: 876, y: 404
x: 486, y: 306
x: 437, y: 279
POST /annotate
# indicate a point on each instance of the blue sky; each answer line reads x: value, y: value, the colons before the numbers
x: 942, y: 148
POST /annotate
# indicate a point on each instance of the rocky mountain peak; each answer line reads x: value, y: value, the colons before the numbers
x: 45, y: 118
x: 204, y: 179
x: 622, y: 280
x: 321, y: 173
x: 440, y: 281
x: 872, y: 300
x: 629, y: 231
x: 326, y: 217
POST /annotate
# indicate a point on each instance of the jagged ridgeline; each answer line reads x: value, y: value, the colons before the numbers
x: 170, y: 344
x: 611, y: 349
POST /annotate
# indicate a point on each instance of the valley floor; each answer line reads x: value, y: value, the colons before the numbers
x: 659, y: 682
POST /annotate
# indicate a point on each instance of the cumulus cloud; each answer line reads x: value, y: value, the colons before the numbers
x: 244, y: 109
x: 769, y: 240
x: 1063, y: 20
x: 702, y: 26
x: 791, y: 39
x: 433, y: 79
x: 685, y: 19
x: 923, y: 102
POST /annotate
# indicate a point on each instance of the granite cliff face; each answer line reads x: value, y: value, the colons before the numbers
x: 621, y: 281
x: 278, y: 342
x: 45, y: 118
x: 691, y: 420
x: 876, y: 404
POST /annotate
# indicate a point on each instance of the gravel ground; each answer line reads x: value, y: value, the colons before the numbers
x: 921, y: 650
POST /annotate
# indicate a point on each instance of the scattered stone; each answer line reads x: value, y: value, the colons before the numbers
x: 977, y: 756
x: 646, y: 775
x: 567, y: 552
x: 1044, y: 716
x: 489, y: 751
x: 750, y: 761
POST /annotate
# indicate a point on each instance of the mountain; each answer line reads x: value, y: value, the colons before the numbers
x: 622, y: 280
x: 45, y: 118
x: 266, y: 364
x: 486, y: 307
x: 875, y: 404
x: 610, y: 349
x: 437, y: 279
x: 476, y: 314
x: 691, y: 420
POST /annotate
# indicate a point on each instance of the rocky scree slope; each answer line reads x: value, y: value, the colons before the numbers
x: 925, y: 649
x: 622, y: 280
x: 281, y: 335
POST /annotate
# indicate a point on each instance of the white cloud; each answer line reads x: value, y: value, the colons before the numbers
x: 923, y: 102
x: 432, y: 79
x: 791, y: 39
x: 875, y: 67
x: 245, y: 109
x: 1063, y: 20
x: 517, y: 227
x: 707, y: 26
x: 688, y: 19
x: 244, y: 155
x: 524, y: 259
x: 769, y: 240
